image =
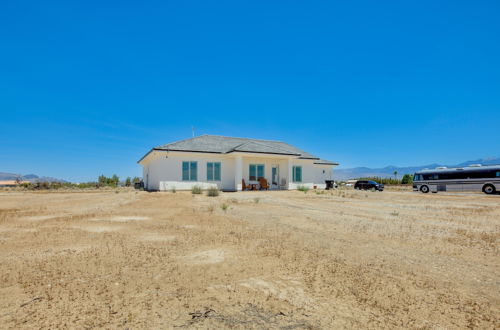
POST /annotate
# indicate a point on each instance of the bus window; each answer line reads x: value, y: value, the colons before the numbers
x: 498, y: 174
x: 458, y: 175
x: 417, y: 177
x: 430, y: 176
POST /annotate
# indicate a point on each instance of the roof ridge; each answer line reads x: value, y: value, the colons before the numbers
x: 191, y: 138
x: 235, y: 137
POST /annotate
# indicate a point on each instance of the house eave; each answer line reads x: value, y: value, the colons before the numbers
x: 264, y: 153
x: 147, y: 154
x: 235, y: 151
x: 331, y: 163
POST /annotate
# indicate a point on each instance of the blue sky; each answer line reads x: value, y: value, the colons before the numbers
x: 86, y: 88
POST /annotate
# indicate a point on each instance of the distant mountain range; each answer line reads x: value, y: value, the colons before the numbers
x: 338, y: 174
x: 388, y: 171
x: 28, y: 177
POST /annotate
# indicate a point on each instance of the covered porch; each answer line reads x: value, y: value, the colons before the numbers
x: 250, y: 169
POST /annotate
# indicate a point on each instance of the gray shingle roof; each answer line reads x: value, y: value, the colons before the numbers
x: 224, y: 144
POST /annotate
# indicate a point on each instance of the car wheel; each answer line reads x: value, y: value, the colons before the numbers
x: 424, y: 189
x: 489, y: 189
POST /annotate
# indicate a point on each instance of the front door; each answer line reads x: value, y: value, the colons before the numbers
x: 275, y: 177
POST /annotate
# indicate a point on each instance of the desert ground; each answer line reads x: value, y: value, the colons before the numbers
x: 288, y: 259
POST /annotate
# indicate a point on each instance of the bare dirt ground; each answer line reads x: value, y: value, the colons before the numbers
x: 345, y: 259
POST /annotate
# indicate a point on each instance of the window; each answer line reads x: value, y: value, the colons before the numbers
x: 256, y: 172
x: 430, y: 177
x: 457, y: 175
x: 213, y: 171
x: 297, y: 173
x: 189, y: 171
x: 498, y: 174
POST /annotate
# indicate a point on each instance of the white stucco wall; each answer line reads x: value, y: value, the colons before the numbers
x: 312, y: 174
x: 163, y: 171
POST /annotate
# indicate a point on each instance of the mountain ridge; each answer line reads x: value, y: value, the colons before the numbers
x: 388, y: 171
x: 28, y: 177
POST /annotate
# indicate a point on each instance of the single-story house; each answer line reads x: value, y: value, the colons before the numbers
x: 221, y: 161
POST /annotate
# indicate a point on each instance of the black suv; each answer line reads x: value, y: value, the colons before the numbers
x: 368, y: 185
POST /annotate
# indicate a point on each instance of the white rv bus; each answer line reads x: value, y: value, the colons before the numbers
x: 471, y: 178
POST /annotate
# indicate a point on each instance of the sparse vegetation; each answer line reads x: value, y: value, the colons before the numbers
x: 303, y: 188
x: 213, y: 192
x: 196, y: 190
x: 111, y: 182
x: 173, y: 190
x: 66, y: 255
x: 256, y: 200
x: 224, y: 207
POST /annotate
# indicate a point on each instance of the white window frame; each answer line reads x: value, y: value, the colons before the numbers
x: 190, y: 174
x: 294, y: 174
x: 213, y: 171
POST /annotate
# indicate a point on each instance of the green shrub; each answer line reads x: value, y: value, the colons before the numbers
x: 196, y: 190
x: 213, y: 192
x: 407, y: 179
x: 173, y: 190
x: 224, y: 207
x: 256, y: 200
x: 303, y: 188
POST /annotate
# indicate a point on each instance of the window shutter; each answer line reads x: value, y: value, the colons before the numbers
x: 217, y: 171
x: 210, y: 171
x: 193, y: 171
x: 185, y: 171
x: 260, y: 171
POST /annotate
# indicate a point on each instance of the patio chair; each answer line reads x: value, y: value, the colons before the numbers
x: 263, y: 184
x: 283, y: 184
x: 244, y: 186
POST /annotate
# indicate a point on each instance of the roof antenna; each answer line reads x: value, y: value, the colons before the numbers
x: 192, y: 129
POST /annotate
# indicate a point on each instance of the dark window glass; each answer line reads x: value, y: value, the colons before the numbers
x: 189, y: 171
x: 458, y: 175
x: 297, y: 173
x: 481, y: 174
x: 430, y: 176
x: 256, y: 172
x: 253, y: 173
x: 213, y: 171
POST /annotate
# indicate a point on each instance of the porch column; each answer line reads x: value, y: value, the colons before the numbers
x: 289, y: 174
x: 238, y: 172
